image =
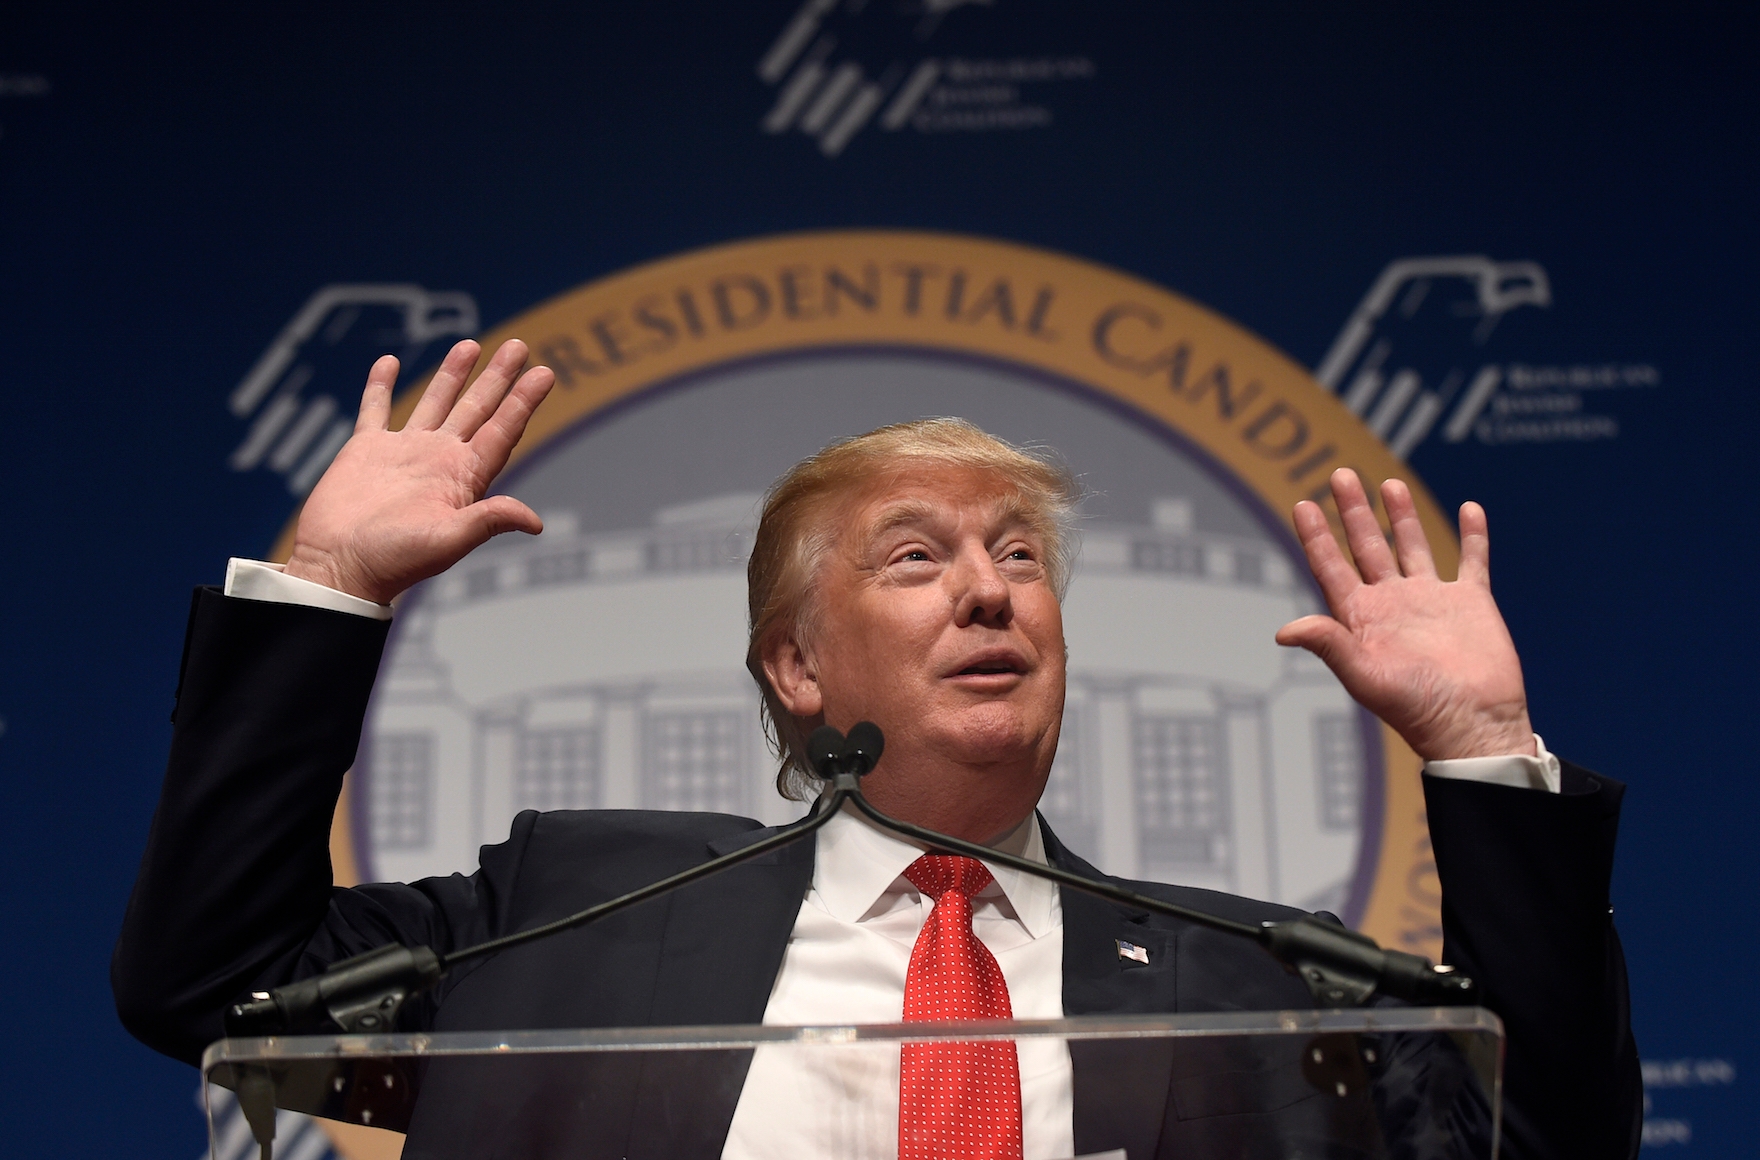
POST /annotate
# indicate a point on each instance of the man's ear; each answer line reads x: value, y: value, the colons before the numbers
x: 794, y: 676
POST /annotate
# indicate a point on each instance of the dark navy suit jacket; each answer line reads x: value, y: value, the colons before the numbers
x: 235, y: 894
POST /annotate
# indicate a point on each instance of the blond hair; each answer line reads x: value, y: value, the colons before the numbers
x: 797, y: 529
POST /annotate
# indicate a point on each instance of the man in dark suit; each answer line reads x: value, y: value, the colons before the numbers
x: 911, y: 577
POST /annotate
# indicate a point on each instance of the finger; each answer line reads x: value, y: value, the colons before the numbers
x: 484, y: 395
x: 1409, y: 539
x: 1337, y: 578
x: 494, y: 515
x: 1361, y: 530
x: 442, y: 392
x: 1327, y: 639
x: 1475, y: 545
x: 495, y: 440
x: 375, y: 412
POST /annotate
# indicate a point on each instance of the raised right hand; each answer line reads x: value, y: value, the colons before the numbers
x: 397, y: 507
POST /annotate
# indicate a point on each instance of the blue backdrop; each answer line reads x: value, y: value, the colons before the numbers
x: 174, y: 187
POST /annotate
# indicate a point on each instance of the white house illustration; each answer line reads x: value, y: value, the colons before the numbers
x: 606, y: 670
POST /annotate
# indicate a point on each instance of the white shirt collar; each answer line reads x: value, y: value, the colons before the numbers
x: 856, y: 863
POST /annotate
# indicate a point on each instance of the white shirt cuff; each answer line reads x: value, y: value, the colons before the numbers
x: 257, y: 580
x: 1519, y: 770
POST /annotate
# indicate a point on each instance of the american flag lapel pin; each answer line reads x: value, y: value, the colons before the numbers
x: 1132, y: 952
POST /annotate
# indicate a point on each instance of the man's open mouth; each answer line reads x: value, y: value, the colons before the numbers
x: 996, y: 664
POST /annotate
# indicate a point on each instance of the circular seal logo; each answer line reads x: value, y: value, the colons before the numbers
x: 600, y: 665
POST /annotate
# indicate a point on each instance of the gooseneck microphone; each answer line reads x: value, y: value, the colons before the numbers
x: 1341, y: 967
x: 832, y: 753
x: 364, y: 994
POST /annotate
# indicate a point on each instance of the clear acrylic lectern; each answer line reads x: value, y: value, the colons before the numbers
x: 1392, y: 1082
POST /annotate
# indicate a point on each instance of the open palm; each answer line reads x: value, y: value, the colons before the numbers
x: 1432, y: 658
x: 397, y: 507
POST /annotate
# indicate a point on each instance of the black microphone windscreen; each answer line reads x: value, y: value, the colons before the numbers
x: 824, y: 747
x: 865, y: 743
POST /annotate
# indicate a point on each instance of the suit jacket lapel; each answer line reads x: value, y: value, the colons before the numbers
x: 725, y: 936
x: 1120, y: 1086
x: 721, y: 950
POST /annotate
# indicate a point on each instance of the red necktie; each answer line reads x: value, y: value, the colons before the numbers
x: 956, y: 1100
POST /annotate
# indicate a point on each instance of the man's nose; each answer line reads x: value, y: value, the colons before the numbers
x: 981, y: 595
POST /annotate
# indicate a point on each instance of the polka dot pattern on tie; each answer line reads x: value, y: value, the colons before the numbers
x: 956, y: 1099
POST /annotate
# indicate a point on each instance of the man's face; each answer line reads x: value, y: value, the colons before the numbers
x: 936, y: 621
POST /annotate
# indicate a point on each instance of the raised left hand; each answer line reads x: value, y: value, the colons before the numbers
x: 1430, y: 657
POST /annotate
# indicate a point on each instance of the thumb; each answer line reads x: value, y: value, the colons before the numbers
x: 1326, y: 638
x: 490, y: 517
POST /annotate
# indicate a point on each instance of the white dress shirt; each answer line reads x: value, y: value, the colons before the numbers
x: 846, y: 962
x: 850, y: 948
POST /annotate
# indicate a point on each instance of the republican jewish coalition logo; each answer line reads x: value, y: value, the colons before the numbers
x: 837, y: 68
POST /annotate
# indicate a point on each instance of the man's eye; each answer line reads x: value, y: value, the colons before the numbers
x: 915, y: 554
x: 1021, y: 554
